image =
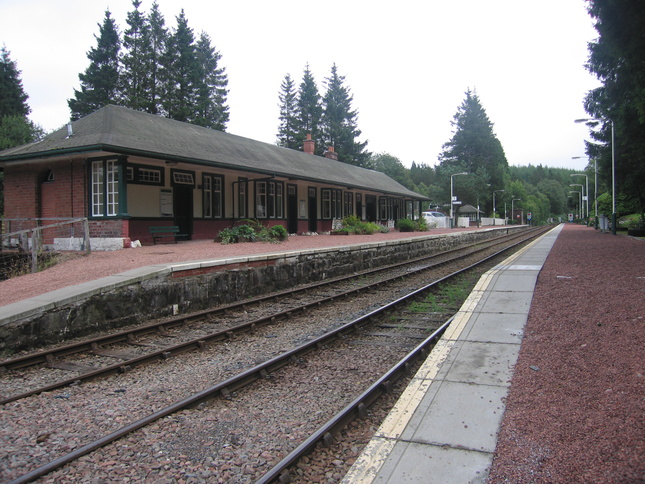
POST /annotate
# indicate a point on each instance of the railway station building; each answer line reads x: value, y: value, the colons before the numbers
x: 126, y: 171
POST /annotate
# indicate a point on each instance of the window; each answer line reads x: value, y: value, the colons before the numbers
x: 382, y: 208
x: 183, y: 178
x: 212, y: 196
x: 269, y: 199
x: 348, y: 205
x: 242, y: 202
x: 144, y: 174
x: 332, y: 204
x: 105, y: 188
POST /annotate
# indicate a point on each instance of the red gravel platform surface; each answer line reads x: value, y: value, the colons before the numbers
x: 576, y: 408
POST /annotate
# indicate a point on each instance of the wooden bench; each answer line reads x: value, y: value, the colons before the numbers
x: 165, y: 231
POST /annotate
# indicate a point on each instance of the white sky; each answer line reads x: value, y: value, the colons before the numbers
x: 407, y: 64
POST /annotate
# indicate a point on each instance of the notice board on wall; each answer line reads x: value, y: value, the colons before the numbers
x: 165, y: 202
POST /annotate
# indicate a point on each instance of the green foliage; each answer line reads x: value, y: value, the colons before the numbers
x: 160, y: 72
x: 392, y: 167
x: 616, y: 58
x: 13, y: 99
x: 353, y: 225
x: 100, y: 81
x: 406, y: 225
x: 252, y: 231
x: 287, y: 130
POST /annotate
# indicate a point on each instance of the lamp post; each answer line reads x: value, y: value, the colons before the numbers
x: 512, y: 210
x: 613, y: 171
x: 494, y: 192
x: 586, y: 189
x: 595, y: 189
x: 452, y: 199
x: 582, y: 197
x: 579, y: 199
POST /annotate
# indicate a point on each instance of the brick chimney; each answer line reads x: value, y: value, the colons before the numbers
x: 331, y: 154
x: 309, y: 145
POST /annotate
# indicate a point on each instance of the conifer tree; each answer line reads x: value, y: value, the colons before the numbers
x: 309, y: 112
x: 158, y: 40
x: 180, y: 72
x: 339, y: 125
x: 211, y: 109
x: 475, y: 149
x: 287, y: 135
x: 137, y: 61
x: 13, y: 99
x: 100, y: 81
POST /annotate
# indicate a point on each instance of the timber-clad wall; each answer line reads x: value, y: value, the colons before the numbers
x: 182, y: 291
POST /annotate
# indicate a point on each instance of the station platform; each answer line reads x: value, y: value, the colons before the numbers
x: 444, y: 427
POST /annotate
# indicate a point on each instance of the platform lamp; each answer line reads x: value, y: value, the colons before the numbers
x: 582, y: 196
x: 595, y: 189
x: 494, y: 192
x: 579, y: 199
x: 613, y: 170
x: 451, y: 196
x: 513, y: 211
x: 586, y: 192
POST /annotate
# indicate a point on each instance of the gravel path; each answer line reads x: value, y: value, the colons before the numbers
x: 576, y: 408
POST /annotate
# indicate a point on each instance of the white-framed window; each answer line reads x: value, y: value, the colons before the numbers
x: 213, y: 196
x: 348, y: 205
x: 332, y: 203
x: 105, y: 188
x: 269, y: 199
x: 382, y: 208
x: 242, y: 200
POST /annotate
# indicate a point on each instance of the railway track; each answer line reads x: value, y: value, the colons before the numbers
x: 404, y: 331
x: 122, y: 351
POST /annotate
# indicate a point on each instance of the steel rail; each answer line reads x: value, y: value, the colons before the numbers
x: 200, y: 342
x: 123, y: 336
x: 245, y: 378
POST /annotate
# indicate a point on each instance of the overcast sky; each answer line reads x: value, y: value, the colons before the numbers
x: 407, y: 64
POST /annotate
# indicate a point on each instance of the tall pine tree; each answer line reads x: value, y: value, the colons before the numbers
x: 339, y: 125
x: 180, y: 72
x: 474, y: 149
x: 15, y: 128
x: 100, y: 81
x: 158, y: 40
x: 617, y: 59
x: 309, y: 112
x: 137, y: 61
x: 287, y: 135
x: 211, y: 109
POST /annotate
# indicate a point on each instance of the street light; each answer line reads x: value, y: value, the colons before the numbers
x: 513, y: 211
x: 495, y: 191
x: 586, y: 198
x: 582, y: 197
x: 613, y: 171
x: 451, y: 197
x: 595, y: 189
x: 579, y: 200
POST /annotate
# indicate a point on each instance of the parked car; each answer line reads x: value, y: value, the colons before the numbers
x: 436, y: 220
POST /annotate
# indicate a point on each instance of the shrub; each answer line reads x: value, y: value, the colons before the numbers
x: 252, y: 231
x: 278, y: 232
x: 406, y: 225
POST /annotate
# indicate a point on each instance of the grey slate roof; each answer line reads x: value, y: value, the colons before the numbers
x: 121, y: 130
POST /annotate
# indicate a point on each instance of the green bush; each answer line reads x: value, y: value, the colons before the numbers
x: 252, y: 231
x: 278, y: 232
x: 406, y: 225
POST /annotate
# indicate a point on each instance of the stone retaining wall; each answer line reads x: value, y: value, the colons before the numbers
x: 183, y: 289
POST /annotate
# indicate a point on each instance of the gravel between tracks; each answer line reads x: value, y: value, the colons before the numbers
x: 575, y: 412
x: 576, y: 408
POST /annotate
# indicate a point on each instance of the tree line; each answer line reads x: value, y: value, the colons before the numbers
x: 154, y: 69
x: 171, y: 73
